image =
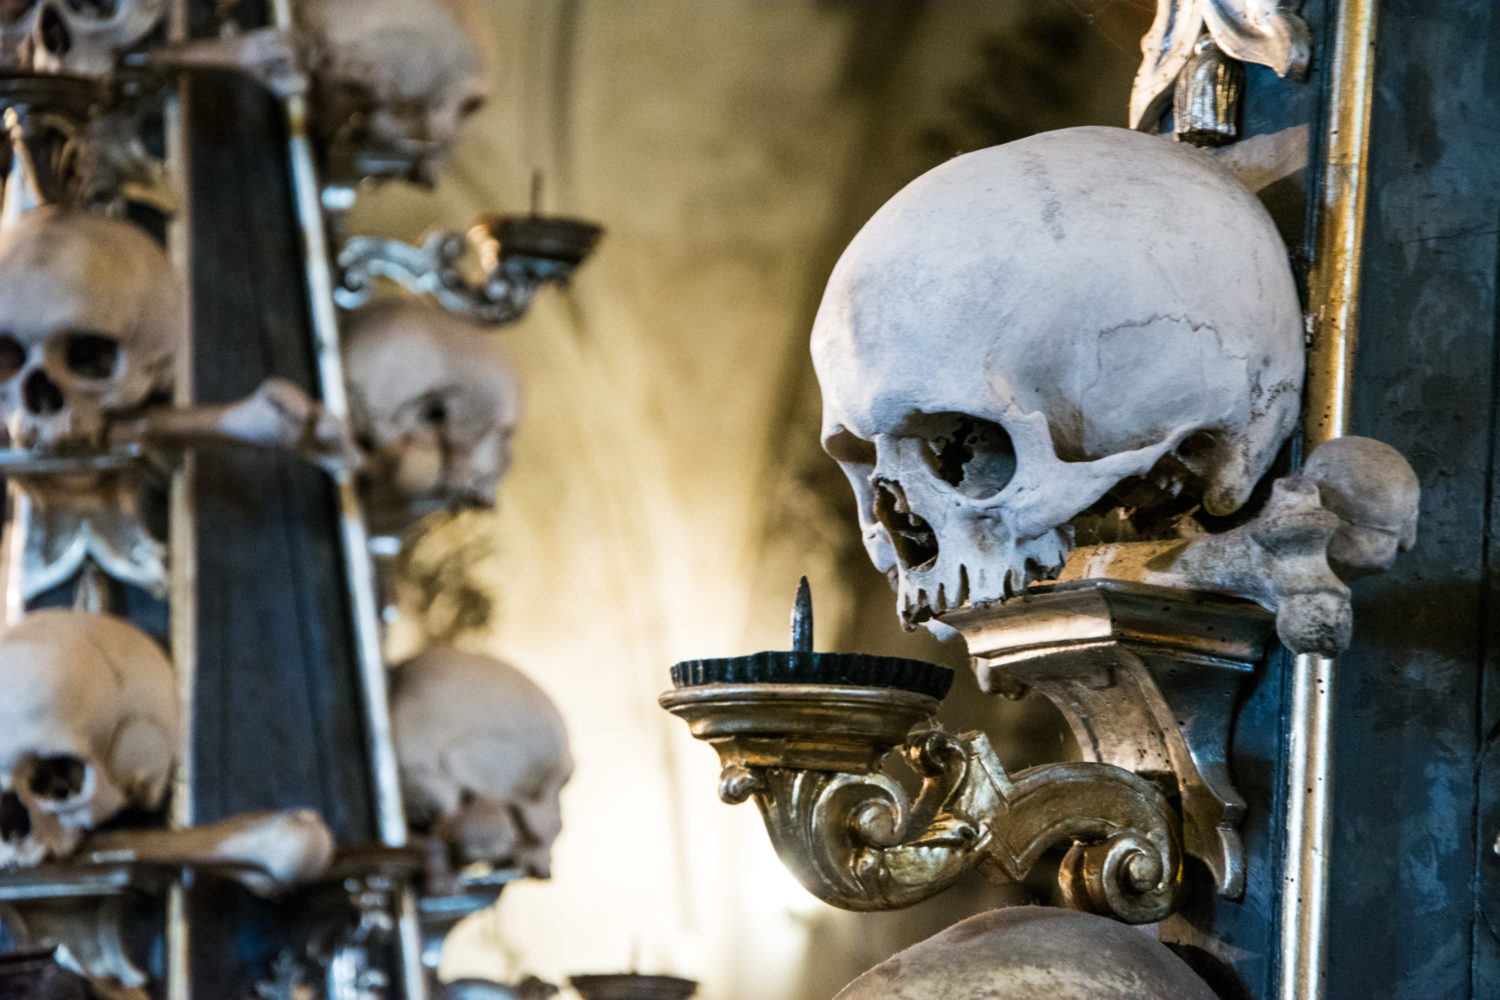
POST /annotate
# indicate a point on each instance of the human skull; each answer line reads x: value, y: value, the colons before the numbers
x: 484, y: 756
x: 1026, y: 328
x: 434, y: 402
x: 88, y: 727
x: 399, y: 76
x: 90, y: 317
x: 84, y: 37
x: 1033, y: 953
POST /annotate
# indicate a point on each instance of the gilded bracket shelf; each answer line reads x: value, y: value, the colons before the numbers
x: 1147, y: 678
x: 805, y: 734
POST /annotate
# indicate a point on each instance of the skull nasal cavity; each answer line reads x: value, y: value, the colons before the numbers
x: 40, y: 395
x: 55, y: 37
x: 57, y: 778
x: 15, y: 821
x: 913, y: 538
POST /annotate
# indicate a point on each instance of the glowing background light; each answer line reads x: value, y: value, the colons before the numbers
x: 668, y: 488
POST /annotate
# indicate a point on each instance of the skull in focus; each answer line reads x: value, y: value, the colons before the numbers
x: 83, y: 37
x: 397, y: 78
x: 90, y: 317
x: 484, y: 756
x: 1033, y: 953
x: 1088, y: 316
x: 434, y: 403
x: 88, y: 727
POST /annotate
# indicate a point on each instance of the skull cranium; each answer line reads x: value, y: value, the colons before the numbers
x: 435, y: 403
x: 90, y: 318
x: 1029, y: 328
x: 1032, y: 953
x: 484, y: 756
x: 75, y: 36
x: 88, y: 726
x: 398, y: 77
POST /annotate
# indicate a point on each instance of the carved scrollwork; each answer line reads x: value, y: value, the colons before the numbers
x: 860, y: 842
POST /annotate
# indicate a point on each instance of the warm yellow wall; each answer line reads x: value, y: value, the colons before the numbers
x: 667, y: 489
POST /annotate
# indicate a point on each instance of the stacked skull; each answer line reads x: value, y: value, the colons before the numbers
x: 90, y: 318
x: 88, y: 727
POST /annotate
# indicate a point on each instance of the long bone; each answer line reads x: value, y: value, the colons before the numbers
x: 268, y: 853
x: 278, y: 414
x: 1345, y: 515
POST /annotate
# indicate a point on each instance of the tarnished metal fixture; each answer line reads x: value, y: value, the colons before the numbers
x: 632, y: 986
x: 1147, y: 679
x: 1263, y: 32
x: 517, y: 256
x: 83, y: 139
x: 1207, y: 105
x: 805, y: 734
x: 85, y: 909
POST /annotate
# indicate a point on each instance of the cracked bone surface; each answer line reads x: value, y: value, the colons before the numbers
x: 1345, y: 515
x: 435, y: 401
x: 88, y: 727
x: 65, y: 36
x: 91, y: 313
x: 1028, y: 329
x: 1032, y: 953
x: 484, y: 756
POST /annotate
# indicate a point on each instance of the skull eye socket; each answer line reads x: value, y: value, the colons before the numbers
x: 469, y: 106
x: 93, y: 9
x: 434, y: 411
x: 91, y: 355
x: 55, y: 36
x: 12, y: 356
x: 57, y: 778
x: 974, y: 456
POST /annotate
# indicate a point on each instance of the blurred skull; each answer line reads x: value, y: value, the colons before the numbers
x: 484, y: 756
x: 434, y: 404
x: 84, y: 37
x: 1028, y: 328
x: 1033, y: 953
x: 397, y: 78
x: 90, y: 317
x: 88, y: 727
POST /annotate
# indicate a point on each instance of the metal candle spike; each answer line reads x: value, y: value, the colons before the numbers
x: 802, y: 619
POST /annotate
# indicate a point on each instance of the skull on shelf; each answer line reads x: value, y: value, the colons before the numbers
x: 398, y: 77
x: 90, y: 317
x: 83, y: 37
x: 434, y: 403
x: 1032, y: 953
x: 484, y: 756
x: 1030, y: 329
x: 88, y: 727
